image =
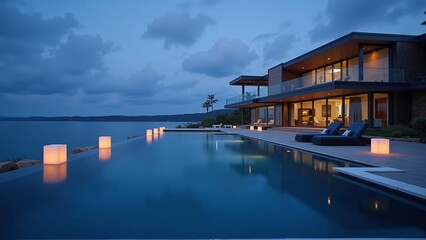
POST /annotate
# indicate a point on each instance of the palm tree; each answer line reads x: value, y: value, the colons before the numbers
x: 424, y: 23
x: 206, y: 105
x: 211, y: 100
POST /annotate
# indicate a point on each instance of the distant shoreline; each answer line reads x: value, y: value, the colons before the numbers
x: 194, y: 117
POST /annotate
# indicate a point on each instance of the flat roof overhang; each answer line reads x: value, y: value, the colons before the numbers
x: 343, y: 48
x: 329, y: 90
x: 250, y: 81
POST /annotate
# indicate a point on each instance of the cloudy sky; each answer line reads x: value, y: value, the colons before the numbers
x: 143, y: 57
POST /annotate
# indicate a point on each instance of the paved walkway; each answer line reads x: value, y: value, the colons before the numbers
x: 406, y: 156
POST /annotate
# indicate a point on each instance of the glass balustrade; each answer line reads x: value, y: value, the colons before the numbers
x: 310, y: 80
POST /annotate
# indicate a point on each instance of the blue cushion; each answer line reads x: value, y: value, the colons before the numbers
x: 325, y: 131
x: 347, y: 133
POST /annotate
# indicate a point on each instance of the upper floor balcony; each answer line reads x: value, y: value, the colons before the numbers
x: 359, y: 75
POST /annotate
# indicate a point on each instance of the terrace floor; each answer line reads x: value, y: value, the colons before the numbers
x: 404, y: 169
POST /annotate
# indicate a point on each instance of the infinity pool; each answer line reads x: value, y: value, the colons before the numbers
x: 199, y: 185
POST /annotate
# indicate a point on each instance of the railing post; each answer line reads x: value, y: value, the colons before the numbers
x: 361, y: 62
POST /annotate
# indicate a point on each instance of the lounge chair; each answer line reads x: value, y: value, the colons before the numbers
x: 332, y: 129
x: 270, y: 123
x: 217, y: 125
x: 352, y: 136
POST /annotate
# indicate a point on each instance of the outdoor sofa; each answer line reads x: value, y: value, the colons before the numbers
x: 352, y: 136
x: 332, y: 129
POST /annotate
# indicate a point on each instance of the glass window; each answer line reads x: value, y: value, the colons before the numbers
x: 336, y: 107
x: 320, y: 76
x: 344, y: 70
x: 320, y: 113
x: 306, y: 114
x: 353, y: 69
x: 381, y: 107
x: 328, y: 73
x: 293, y: 116
x: 337, y: 72
x: 357, y: 109
x: 270, y: 115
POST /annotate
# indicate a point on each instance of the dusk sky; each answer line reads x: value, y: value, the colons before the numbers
x: 141, y: 57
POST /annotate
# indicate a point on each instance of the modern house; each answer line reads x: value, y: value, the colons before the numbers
x: 375, y: 78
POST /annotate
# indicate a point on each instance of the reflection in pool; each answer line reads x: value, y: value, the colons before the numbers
x: 201, y: 185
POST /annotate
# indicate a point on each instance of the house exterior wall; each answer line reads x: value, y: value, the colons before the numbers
x: 419, y: 104
x: 275, y: 76
x: 412, y: 58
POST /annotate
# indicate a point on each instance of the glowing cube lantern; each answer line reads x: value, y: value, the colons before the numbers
x: 380, y: 145
x: 54, y: 154
x: 162, y: 129
x: 251, y: 127
x: 155, y: 130
x: 104, y: 142
x: 104, y: 153
x: 259, y: 128
x: 149, y: 132
x: 234, y: 126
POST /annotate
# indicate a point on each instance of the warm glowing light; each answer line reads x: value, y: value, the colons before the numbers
x: 104, y: 153
x: 54, y: 154
x: 149, y: 132
x: 155, y: 130
x: 162, y: 129
x: 259, y: 128
x: 251, y: 127
x: 328, y: 200
x: 376, y: 205
x: 234, y: 126
x: 148, y: 139
x: 54, y: 173
x: 104, y: 142
x: 380, y: 145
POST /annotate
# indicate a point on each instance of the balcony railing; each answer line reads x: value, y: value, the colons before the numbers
x: 310, y: 80
x: 263, y: 92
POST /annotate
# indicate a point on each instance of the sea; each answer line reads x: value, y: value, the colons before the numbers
x: 25, y: 139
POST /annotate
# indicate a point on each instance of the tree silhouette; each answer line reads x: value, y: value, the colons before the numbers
x: 212, y: 100
x: 206, y: 105
x: 424, y: 22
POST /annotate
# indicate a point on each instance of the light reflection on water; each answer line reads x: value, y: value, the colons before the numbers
x: 202, y: 185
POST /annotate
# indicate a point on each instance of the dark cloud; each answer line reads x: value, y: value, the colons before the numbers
x: 40, y: 56
x: 225, y: 58
x: 178, y: 28
x: 279, y: 47
x: 23, y: 37
x: 143, y: 83
x: 81, y: 53
x: 342, y: 17
x: 264, y: 36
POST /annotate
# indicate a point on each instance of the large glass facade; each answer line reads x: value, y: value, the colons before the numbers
x: 265, y: 115
x: 347, y: 109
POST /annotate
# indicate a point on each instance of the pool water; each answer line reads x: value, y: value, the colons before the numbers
x: 199, y: 185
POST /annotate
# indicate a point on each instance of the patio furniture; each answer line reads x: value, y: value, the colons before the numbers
x: 217, y: 125
x: 352, y: 136
x: 332, y: 129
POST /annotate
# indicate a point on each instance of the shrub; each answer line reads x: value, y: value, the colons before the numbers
x: 402, y: 131
x: 396, y: 134
x: 419, y: 124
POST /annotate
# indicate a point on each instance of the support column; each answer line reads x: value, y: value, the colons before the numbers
x: 370, y: 109
x: 360, y: 62
x: 258, y: 89
x: 344, y: 112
